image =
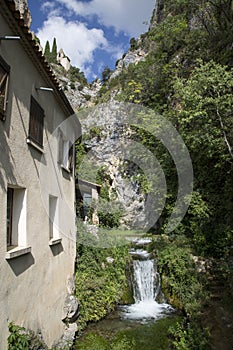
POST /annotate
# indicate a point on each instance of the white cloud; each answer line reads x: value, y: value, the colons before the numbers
x: 124, y: 15
x: 77, y: 41
x: 67, y: 22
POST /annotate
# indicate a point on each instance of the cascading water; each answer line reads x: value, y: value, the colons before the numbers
x: 144, y: 280
x: 146, y: 288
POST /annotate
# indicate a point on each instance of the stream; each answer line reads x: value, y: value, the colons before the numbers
x: 145, y: 322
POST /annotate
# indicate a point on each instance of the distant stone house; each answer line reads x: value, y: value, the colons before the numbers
x: 63, y: 60
x: 37, y: 188
x: 87, y: 193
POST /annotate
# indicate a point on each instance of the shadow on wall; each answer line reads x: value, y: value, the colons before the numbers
x: 21, y: 264
x: 6, y: 162
x: 57, y: 249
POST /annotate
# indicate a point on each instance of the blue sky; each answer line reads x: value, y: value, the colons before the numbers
x: 93, y: 33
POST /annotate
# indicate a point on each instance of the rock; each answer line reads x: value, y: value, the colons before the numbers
x: 22, y: 7
x: 129, y: 58
x: 68, y: 337
x: 93, y: 229
x: 71, y: 309
x: 110, y: 149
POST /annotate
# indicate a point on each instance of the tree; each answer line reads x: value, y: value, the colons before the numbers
x: 206, y: 107
x: 204, y: 119
x: 133, y: 44
x: 106, y: 74
x: 54, y: 51
x: 47, y: 53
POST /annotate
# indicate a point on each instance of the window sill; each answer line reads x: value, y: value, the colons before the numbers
x: 33, y: 144
x: 18, y: 251
x: 55, y: 241
x: 66, y: 169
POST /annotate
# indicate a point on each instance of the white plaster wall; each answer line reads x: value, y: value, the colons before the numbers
x: 33, y: 287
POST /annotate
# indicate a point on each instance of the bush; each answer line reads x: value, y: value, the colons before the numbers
x: 100, y: 283
x: 180, y: 281
x: 191, y: 337
x: 18, y: 338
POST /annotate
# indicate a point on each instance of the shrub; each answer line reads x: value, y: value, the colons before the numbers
x: 18, y: 338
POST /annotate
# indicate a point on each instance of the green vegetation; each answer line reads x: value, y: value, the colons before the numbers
x: 106, y: 74
x: 96, y: 342
x: 51, y: 55
x: 75, y: 75
x: 18, y: 338
x: 144, y: 337
x: 109, y: 215
x: 182, y: 284
x: 187, y: 77
x: 185, y: 288
x: 22, y: 339
x: 100, y: 275
x: 47, y: 51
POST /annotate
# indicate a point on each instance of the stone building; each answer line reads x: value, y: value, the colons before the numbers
x: 37, y: 188
x: 87, y: 193
x: 63, y: 60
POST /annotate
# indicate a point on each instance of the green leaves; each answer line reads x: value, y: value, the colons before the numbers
x: 18, y: 338
x: 180, y: 280
x: 100, y: 282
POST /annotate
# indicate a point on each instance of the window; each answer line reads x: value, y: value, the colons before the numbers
x: 10, y: 196
x: 54, y: 235
x: 36, y: 123
x: 66, y: 153
x: 16, y: 217
x: 87, y: 199
x: 4, y: 78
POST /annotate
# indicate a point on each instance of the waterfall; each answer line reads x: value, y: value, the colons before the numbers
x: 146, y: 288
x: 144, y: 280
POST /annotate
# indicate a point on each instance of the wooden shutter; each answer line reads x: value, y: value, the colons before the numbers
x: 36, y: 124
x: 4, y: 77
x: 71, y: 157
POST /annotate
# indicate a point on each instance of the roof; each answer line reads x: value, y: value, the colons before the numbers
x: 33, y: 49
x: 88, y: 183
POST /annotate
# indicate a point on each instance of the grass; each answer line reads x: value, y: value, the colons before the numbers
x: 144, y: 337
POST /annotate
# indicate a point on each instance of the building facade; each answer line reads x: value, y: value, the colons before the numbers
x: 63, y: 60
x: 87, y: 194
x: 37, y: 187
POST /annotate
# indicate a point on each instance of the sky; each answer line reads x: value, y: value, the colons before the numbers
x: 93, y: 33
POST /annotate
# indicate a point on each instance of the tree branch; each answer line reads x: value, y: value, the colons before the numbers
x: 224, y: 133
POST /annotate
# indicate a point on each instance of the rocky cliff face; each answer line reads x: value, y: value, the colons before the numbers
x: 131, y: 57
x: 109, y: 148
x: 22, y: 7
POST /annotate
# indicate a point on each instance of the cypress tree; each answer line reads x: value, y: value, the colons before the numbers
x: 54, y: 51
x: 47, y: 53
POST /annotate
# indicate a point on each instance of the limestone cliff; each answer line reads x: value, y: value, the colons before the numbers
x: 22, y: 7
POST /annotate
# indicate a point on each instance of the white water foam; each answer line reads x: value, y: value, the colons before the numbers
x: 145, y: 310
x: 146, y: 288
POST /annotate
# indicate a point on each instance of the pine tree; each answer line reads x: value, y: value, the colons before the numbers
x: 54, y: 51
x: 47, y: 52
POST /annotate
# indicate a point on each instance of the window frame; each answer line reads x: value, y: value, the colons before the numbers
x: 16, y: 222
x: 36, y: 123
x: 66, y: 154
x: 4, y: 84
x: 54, y: 231
x: 10, y: 206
